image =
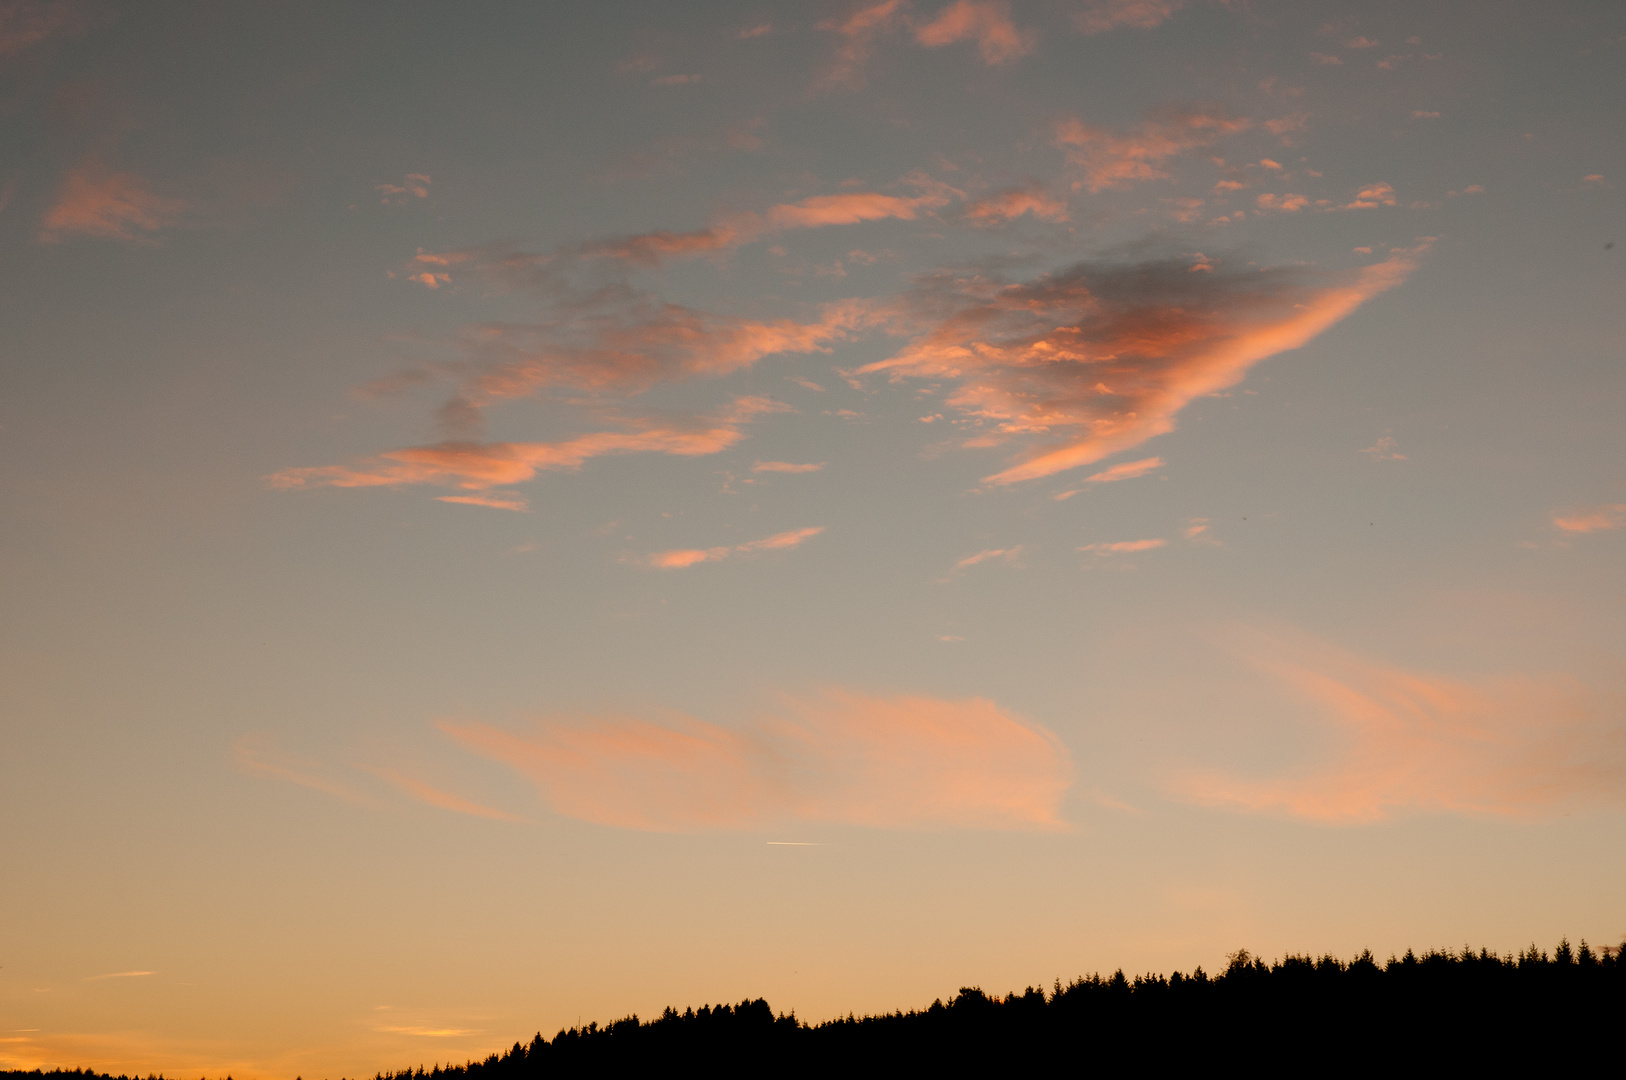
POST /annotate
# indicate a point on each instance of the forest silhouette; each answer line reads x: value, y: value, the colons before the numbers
x: 1529, y: 1010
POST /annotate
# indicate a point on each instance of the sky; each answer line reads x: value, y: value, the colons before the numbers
x: 521, y: 514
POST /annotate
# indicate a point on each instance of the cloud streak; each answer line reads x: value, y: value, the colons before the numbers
x: 838, y: 757
x: 1521, y: 747
x: 481, y: 466
x: 680, y: 558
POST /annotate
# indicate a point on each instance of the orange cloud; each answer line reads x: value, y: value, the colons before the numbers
x: 1123, y: 547
x: 116, y: 206
x: 858, y: 32
x: 435, y: 797
x: 1372, y: 196
x: 1011, y: 555
x: 1112, y: 160
x: 492, y: 501
x: 479, y: 467
x: 987, y: 22
x: 620, y: 348
x: 683, y: 557
x: 1107, y: 355
x: 1593, y: 519
x: 735, y: 229
x: 1520, y: 747
x: 1287, y: 204
x: 1127, y: 471
x: 1003, y: 206
x: 786, y: 467
x: 1100, y: 16
x: 836, y: 757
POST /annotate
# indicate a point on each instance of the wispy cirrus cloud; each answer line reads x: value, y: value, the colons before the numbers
x: 679, y: 558
x: 481, y: 466
x: 787, y: 467
x: 732, y: 230
x: 1123, y: 547
x: 987, y: 22
x: 1099, y: 16
x: 857, y: 34
x: 95, y: 201
x: 1107, y: 354
x: 837, y: 757
x: 1111, y: 159
x: 1518, y: 746
x: 1592, y: 519
x: 1012, y: 203
x: 256, y: 753
x: 1128, y: 470
x: 615, y: 349
x: 442, y: 800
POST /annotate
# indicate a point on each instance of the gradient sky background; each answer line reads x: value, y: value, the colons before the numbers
x: 526, y: 513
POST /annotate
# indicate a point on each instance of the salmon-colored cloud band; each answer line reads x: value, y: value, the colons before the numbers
x: 839, y: 757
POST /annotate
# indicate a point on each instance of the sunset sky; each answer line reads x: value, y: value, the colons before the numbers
x: 524, y: 513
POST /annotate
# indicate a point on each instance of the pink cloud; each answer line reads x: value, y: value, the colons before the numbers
x: 94, y: 201
x: 1007, y: 555
x: 478, y: 467
x: 987, y: 22
x: 1520, y: 747
x: 685, y: 557
x: 1592, y: 519
x: 1287, y: 204
x: 838, y: 757
x: 786, y: 467
x: 857, y: 32
x: 492, y: 501
x: 620, y: 348
x: 1099, y: 16
x: 1112, y: 160
x: 443, y: 800
x: 1124, y: 547
x: 1127, y: 471
x: 1003, y: 206
x: 1371, y: 196
x: 1107, y: 355
x: 735, y: 229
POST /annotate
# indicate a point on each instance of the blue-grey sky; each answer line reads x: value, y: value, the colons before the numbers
x: 518, y: 513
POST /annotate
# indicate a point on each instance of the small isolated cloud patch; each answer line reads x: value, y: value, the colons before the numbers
x: 1123, y: 547
x: 679, y: 558
x: 415, y: 186
x: 1592, y: 519
x: 1384, y: 450
x: 787, y: 467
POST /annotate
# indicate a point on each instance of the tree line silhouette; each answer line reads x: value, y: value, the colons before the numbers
x: 1529, y: 1009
